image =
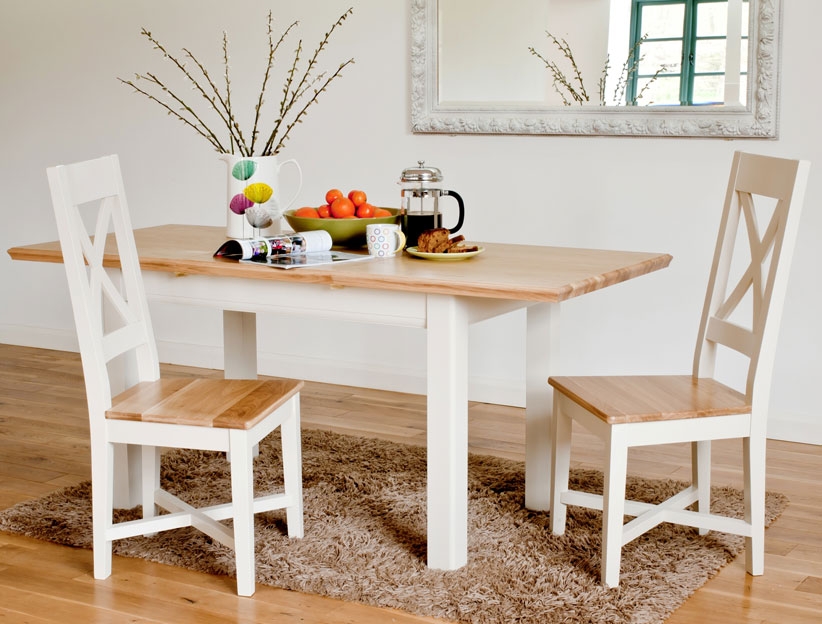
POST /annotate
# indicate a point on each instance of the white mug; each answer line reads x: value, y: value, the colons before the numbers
x: 384, y: 239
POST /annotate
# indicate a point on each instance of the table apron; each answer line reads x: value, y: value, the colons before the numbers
x: 361, y: 305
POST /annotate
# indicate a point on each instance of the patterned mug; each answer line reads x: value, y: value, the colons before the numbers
x: 384, y: 239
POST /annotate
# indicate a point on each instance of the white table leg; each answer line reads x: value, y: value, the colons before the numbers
x: 239, y: 344
x: 447, y: 346
x: 541, y: 356
x: 240, y: 349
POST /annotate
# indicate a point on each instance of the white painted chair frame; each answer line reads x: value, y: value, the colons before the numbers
x: 91, y: 287
x: 751, y: 175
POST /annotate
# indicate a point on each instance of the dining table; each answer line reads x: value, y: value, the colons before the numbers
x: 442, y: 298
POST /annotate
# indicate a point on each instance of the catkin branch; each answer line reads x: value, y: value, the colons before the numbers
x: 301, y: 89
x: 572, y: 90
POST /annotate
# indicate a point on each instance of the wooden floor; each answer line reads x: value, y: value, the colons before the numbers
x: 44, y: 446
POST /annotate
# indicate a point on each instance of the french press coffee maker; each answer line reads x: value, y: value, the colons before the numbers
x: 421, y: 192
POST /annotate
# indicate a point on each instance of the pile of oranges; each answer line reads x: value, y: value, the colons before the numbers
x: 338, y: 206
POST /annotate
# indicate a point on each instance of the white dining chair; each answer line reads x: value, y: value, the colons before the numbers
x: 629, y: 411
x: 113, y: 324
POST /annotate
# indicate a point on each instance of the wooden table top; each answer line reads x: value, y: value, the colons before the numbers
x: 502, y: 271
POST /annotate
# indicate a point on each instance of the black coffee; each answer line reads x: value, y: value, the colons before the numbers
x: 415, y: 223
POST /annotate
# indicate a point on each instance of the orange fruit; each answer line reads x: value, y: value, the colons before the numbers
x: 342, y: 208
x: 307, y: 211
x: 333, y: 194
x: 382, y: 212
x: 324, y: 211
x: 358, y: 197
x: 365, y: 211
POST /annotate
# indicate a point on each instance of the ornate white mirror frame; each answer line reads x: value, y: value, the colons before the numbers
x: 757, y: 119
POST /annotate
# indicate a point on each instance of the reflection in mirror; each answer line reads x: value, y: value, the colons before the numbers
x: 698, y: 68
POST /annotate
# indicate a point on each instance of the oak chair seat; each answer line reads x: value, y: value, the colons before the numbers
x: 220, y: 403
x: 645, y: 398
x: 741, y: 314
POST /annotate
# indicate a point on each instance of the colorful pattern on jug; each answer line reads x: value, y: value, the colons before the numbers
x: 254, y: 193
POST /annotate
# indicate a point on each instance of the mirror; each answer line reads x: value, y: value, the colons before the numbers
x: 461, y: 84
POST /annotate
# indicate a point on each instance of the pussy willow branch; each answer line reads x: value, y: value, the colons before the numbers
x: 298, y: 118
x: 648, y: 84
x: 559, y: 77
x: 563, y: 47
x: 603, y: 79
x: 222, y: 106
x: 227, y: 84
x: 284, y: 105
x: 202, y: 129
x: 287, y: 103
x: 272, y: 51
x: 198, y: 87
x: 302, y: 86
x: 629, y: 67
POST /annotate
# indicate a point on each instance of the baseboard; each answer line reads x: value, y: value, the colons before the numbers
x: 794, y: 428
x: 39, y: 337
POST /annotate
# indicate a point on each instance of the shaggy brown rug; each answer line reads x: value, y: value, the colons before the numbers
x: 365, y: 537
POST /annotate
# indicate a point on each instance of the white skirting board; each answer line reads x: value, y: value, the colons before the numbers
x: 793, y: 428
x: 788, y: 427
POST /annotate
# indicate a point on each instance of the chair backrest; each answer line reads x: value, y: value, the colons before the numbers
x: 112, y: 319
x: 757, y: 183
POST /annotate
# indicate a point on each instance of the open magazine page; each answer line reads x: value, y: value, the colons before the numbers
x: 284, y: 244
x: 287, y: 251
x: 315, y: 258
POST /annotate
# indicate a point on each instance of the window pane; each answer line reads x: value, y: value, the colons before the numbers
x: 711, y: 19
x: 663, y: 20
x: 710, y: 56
x: 709, y: 89
x: 667, y: 54
x: 662, y: 91
x: 745, y: 6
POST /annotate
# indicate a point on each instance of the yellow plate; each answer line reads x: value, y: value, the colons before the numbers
x: 444, y: 257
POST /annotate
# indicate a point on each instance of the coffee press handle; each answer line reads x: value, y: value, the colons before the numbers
x: 456, y: 196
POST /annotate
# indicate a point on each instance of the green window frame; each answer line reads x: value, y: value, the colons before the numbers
x: 696, y: 75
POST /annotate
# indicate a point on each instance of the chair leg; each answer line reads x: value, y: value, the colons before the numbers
x: 242, y: 499
x: 753, y: 454
x: 561, y: 451
x: 102, y: 497
x: 150, y: 480
x: 701, y: 476
x: 292, y: 468
x: 613, y: 512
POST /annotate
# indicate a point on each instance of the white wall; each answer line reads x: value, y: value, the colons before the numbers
x: 61, y: 103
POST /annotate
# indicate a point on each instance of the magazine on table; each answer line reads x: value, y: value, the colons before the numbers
x: 287, y: 251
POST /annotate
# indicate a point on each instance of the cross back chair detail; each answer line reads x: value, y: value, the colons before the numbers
x: 114, y: 327
x: 627, y: 411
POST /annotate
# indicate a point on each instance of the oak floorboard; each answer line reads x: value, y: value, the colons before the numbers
x: 44, y: 446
